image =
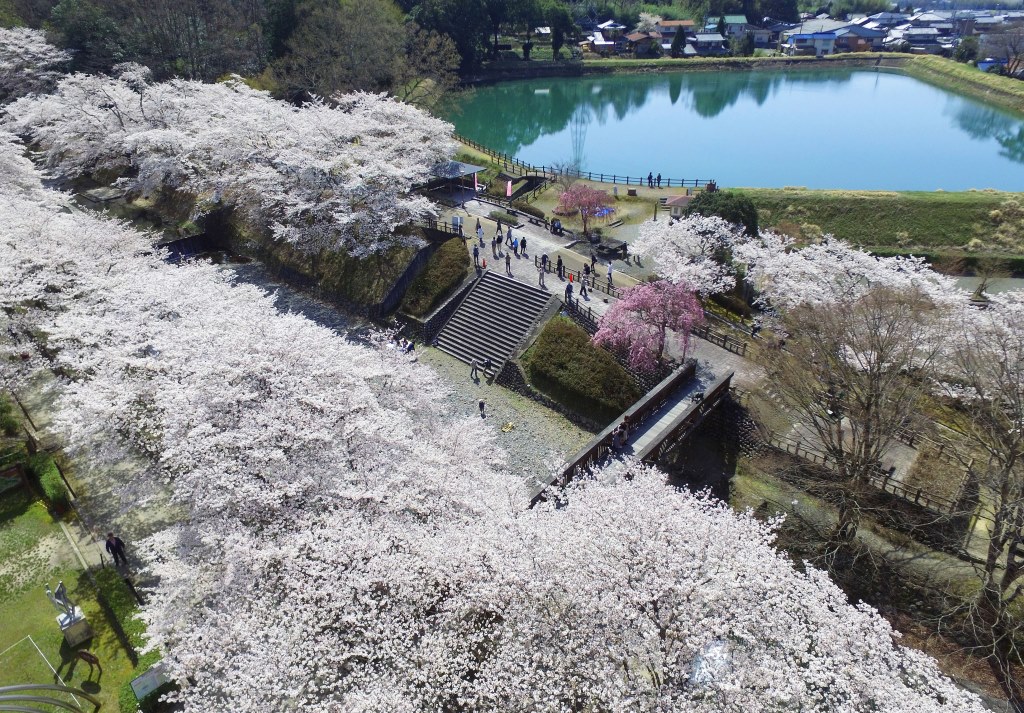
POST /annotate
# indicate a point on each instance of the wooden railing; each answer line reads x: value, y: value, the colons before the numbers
x: 684, y: 424
x: 514, y: 165
x: 593, y: 281
x: 883, y: 480
x: 596, y: 450
x: 723, y: 340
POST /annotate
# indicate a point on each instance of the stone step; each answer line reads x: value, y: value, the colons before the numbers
x: 493, y: 319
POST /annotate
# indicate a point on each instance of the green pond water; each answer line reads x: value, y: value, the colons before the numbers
x: 848, y: 129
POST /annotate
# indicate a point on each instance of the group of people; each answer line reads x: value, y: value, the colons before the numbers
x: 402, y: 344
x: 474, y: 370
x: 620, y: 435
x: 653, y: 180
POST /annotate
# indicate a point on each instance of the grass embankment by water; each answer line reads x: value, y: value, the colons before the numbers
x: 932, y: 224
x: 965, y: 79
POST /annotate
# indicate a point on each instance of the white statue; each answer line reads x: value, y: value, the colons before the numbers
x: 60, y: 600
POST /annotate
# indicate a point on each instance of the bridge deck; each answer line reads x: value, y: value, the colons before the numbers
x: 667, y: 414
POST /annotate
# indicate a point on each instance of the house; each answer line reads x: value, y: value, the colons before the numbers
x: 709, y: 44
x: 776, y: 29
x: 987, y: 23
x: 927, y: 19
x: 670, y: 28
x: 677, y: 205
x: 888, y: 19
x: 815, y: 44
x: 809, y: 27
x: 762, y: 36
x: 599, y: 44
x: 856, y: 38
x: 922, y: 40
x: 735, y: 25
x: 643, y: 43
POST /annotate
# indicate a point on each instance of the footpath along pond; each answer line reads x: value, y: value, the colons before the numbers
x: 823, y: 128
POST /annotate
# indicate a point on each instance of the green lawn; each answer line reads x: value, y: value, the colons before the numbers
x: 34, y: 553
x: 976, y: 221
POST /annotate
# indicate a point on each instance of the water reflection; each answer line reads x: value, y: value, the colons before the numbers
x: 815, y: 128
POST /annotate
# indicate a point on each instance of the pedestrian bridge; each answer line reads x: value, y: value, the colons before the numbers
x: 662, y: 419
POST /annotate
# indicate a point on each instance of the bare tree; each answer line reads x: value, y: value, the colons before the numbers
x: 852, y: 378
x: 1007, y: 44
x: 987, y: 383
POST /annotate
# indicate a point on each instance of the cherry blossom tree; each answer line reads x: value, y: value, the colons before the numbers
x: 696, y: 250
x: 319, y: 176
x: 28, y: 63
x: 581, y: 198
x: 640, y: 322
x: 344, y: 544
x: 832, y: 271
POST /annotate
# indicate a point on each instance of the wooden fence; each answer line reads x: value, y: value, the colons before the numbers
x: 882, y: 479
x: 515, y: 166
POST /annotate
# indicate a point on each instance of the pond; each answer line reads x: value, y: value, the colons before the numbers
x: 834, y: 128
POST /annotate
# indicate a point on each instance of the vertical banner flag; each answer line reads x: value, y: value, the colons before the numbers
x: 508, y: 190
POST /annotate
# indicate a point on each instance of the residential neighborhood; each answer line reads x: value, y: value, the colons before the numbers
x: 938, y: 32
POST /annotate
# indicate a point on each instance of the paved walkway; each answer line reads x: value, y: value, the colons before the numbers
x: 539, y: 242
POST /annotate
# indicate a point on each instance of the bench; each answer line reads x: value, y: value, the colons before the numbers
x: 631, y: 192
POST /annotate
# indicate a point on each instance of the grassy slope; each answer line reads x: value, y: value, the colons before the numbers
x: 33, y: 553
x: 445, y: 271
x: 917, y: 219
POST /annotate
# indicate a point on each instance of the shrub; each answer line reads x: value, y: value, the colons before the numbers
x: 565, y: 365
x: 445, y: 270
x: 504, y: 217
x: 524, y: 207
x: 43, y: 470
x: 734, y: 207
x: 9, y: 423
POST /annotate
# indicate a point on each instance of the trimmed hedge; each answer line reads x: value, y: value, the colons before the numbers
x: 586, y: 379
x: 9, y: 424
x: 445, y: 270
x: 43, y: 470
x: 504, y: 217
x: 529, y: 209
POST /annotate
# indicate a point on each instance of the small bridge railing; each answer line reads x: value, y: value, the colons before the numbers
x: 687, y: 421
x: 597, y: 449
x: 514, y: 165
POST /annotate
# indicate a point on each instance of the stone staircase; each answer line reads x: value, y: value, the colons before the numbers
x: 492, y: 320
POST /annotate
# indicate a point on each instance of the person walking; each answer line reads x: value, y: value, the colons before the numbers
x: 593, y: 260
x: 586, y: 273
x: 568, y: 293
x: 515, y: 246
x: 561, y: 268
x: 609, y: 273
x: 508, y: 264
x: 115, y: 546
x: 508, y: 237
x: 498, y: 232
x: 540, y: 276
x: 522, y: 245
x: 476, y: 256
x: 474, y: 370
x: 544, y: 261
x: 494, y: 248
x: 482, y: 406
x: 479, y: 232
x: 583, y: 289
x: 478, y: 226
x: 658, y: 180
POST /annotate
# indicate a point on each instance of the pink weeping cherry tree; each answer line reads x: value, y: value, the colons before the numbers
x: 647, y: 318
x: 589, y: 202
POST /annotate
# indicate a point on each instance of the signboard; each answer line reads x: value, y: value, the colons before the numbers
x: 148, y: 682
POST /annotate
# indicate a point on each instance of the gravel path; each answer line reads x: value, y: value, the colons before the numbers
x: 536, y: 439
